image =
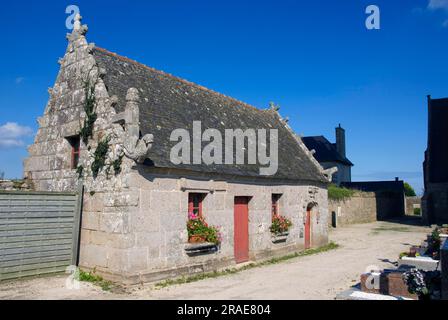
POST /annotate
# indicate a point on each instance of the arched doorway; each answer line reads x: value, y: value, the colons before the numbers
x: 308, y: 224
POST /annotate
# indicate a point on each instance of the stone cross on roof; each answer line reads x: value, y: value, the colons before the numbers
x: 78, y: 28
x: 77, y: 24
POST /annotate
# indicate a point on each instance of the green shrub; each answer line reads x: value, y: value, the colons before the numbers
x: 408, y: 190
x: 95, y: 279
x: 338, y: 193
x: 417, y: 212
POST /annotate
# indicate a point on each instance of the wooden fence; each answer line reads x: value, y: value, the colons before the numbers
x: 39, y: 232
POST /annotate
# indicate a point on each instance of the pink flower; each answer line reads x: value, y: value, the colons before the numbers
x: 192, y: 216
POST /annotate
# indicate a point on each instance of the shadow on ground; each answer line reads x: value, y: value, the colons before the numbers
x: 406, y: 220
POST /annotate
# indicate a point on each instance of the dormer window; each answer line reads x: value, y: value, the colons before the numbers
x: 75, y: 143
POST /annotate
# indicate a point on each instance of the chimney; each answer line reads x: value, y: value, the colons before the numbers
x: 340, y: 140
x: 397, y: 179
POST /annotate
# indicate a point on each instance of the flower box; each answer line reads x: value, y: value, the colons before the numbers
x: 281, y: 237
x: 196, y: 239
x: 195, y: 249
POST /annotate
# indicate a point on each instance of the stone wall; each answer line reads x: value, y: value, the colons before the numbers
x: 147, y: 241
x: 14, y: 185
x: 365, y: 207
x: 435, y: 203
x: 360, y: 208
x: 48, y: 166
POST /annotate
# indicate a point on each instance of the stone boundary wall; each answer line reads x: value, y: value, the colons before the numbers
x: 365, y: 207
x: 360, y: 208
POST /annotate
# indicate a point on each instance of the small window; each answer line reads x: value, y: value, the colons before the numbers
x: 74, y: 143
x: 275, y: 204
x: 195, y: 203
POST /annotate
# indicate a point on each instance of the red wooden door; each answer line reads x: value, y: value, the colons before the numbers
x: 241, y: 229
x: 308, y: 229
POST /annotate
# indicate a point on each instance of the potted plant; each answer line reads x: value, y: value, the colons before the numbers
x: 434, y: 243
x: 280, y: 228
x: 200, y: 232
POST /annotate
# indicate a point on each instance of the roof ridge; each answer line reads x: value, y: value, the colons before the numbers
x: 319, y: 136
x: 189, y: 83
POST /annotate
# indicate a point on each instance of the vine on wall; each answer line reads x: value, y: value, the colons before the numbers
x: 116, y: 165
x: 100, y: 155
x: 86, y: 133
x: 89, y: 108
x: 80, y: 171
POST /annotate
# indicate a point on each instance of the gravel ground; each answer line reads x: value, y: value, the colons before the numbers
x: 320, y: 276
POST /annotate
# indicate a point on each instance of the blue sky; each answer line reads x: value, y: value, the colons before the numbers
x: 316, y: 59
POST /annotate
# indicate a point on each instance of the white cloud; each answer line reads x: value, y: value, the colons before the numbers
x: 438, y: 4
x: 19, y: 80
x: 434, y: 5
x: 11, y: 135
x: 11, y: 143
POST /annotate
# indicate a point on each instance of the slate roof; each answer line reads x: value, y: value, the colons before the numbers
x: 325, y: 150
x: 376, y: 186
x: 168, y: 103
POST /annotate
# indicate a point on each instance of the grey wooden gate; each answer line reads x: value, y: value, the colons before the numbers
x: 39, y: 232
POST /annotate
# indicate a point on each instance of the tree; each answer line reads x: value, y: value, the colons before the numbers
x: 408, y: 190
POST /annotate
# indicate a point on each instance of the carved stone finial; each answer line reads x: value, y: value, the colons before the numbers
x: 113, y: 100
x: 137, y: 149
x: 77, y: 24
x: 78, y: 28
x: 273, y: 106
x: 132, y: 95
x: 102, y: 73
x: 330, y: 172
x: 90, y: 47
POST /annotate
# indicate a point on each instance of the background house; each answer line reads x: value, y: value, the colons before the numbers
x: 331, y: 155
x: 390, y: 196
